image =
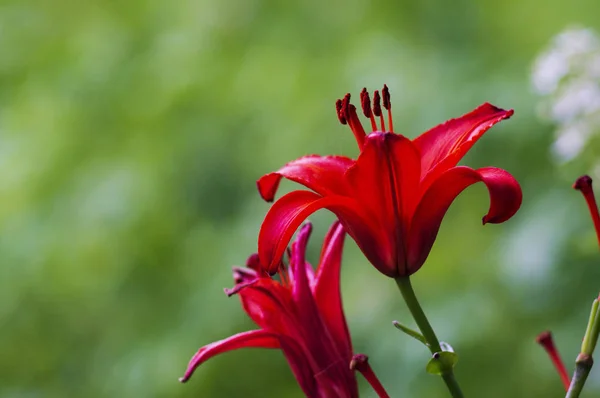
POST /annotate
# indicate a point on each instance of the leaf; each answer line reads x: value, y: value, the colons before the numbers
x: 412, y: 333
x: 441, y: 362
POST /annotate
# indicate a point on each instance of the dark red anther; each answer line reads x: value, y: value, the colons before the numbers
x: 347, y: 115
x: 338, y: 109
x: 365, y: 102
x: 376, y: 103
x: 377, y: 109
x: 346, y: 107
x: 385, y: 93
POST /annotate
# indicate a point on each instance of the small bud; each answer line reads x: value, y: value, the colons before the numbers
x: 584, y: 184
x: 545, y: 340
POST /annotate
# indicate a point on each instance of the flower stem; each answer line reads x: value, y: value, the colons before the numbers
x: 584, y: 361
x: 583, y: 365
x: 423, y: 323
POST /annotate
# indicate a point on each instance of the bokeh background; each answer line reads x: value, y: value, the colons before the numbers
x: 131, y: 136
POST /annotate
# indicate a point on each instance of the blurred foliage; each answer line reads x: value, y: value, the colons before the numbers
x: 131, y: 136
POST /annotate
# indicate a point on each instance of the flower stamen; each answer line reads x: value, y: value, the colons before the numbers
x: 584, y: 184
x: 365, y: 102
x: 338, y: 111
x: 347, y: 113
x: 377, y: 108
x: 387, y: 104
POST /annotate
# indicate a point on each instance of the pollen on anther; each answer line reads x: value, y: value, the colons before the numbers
x: 365, y: 102
x: 387, y: 104
x: 338, y: 109
x: 345, y: 107
x: 385, y: 93
x: 376, y: 103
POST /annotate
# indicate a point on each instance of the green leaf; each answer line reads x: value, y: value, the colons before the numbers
x: 441, y: 362
x: 591, y: 332
x: 412, y: 333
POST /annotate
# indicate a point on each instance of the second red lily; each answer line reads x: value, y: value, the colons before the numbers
x: 392, y: 199
x: 302, y: 315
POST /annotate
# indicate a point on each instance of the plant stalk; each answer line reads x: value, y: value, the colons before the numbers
x: 420, y: 318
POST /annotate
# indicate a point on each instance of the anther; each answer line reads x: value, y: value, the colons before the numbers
x: 347, y: 115
x: 377, y: 108
x: 365, y: 102
x: 387, y: 104
x: 385, y: 93
x: 376, y: 103
x: 338, y: 110
x: 345, y: 107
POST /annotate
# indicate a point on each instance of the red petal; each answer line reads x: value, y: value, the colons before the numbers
x: 301, y: 291
x: 505, y: 200
x: 269, y: 304
x: 322, y: 174
x: 298, y: 360
x: 327, y: 288
x: 286, y: 215
x: 443, y: 146
x: 385, y: 181
x: 300, y: 272
x: 319, y: 340
x: 253, y: 338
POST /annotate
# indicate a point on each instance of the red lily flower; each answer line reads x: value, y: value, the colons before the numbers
x: 302, y: 315
x: 392, y: 199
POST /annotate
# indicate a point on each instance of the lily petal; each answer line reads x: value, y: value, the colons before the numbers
x: 300, y: 272
x: 269, y: 304
x: 385, y: 180
x: 327, y: 288
x: 444, y: 146
x: 298, y: 266
x: 322, y: 174
x: 252, y: 338
x: 297, y: 358
x: 505, y: 200
x: 289, y: 211
x: 319, y: 339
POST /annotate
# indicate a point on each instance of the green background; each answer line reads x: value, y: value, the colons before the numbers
x: 131, y: 136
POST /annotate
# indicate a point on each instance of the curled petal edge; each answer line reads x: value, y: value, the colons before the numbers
x: 322, y: 174
x: 505, y: 199
x: 286, y: 215
x: 251, y: 339
x: 448, y: 142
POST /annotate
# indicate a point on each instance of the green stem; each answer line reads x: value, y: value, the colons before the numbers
x: 452, y: 384
x: 583, y: 365
x: 415, y: 309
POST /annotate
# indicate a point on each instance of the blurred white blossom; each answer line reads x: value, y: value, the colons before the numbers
x: 567, y: 77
